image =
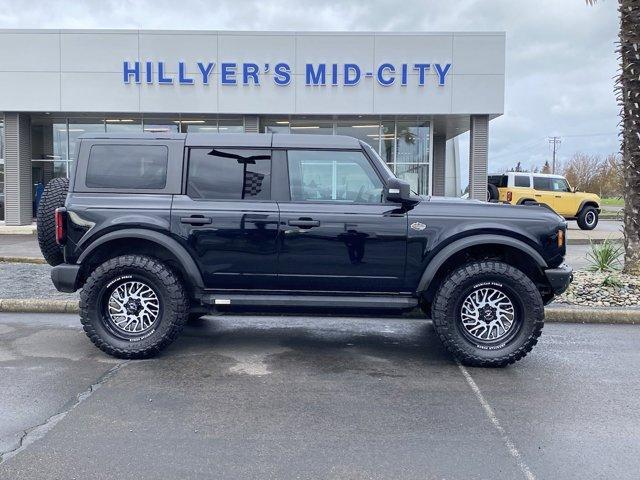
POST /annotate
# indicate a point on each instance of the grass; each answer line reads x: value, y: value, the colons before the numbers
x: 613, y: 202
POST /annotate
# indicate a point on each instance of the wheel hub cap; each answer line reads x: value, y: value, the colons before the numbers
x: 487, y: 314
x: 133, y: 307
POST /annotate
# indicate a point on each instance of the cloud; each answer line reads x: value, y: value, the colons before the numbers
x: 560, y: 54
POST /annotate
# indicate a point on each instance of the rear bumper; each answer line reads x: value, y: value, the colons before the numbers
x: 559, y: 278
x: 65, y: 277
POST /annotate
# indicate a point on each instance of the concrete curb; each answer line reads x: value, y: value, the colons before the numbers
x: 33, y: 305
x: 553, y: 314
x: 22, y: 260
x: 595, y: 241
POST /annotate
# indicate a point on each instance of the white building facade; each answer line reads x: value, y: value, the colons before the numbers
x: 406, y: 95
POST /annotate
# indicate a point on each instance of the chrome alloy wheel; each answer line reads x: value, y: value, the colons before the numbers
x: 133, y: 307
x: 487, y: 314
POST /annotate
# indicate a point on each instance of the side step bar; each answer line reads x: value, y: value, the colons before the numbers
x: 391, y: 302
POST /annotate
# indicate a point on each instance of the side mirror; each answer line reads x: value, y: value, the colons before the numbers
x: 399, y: 191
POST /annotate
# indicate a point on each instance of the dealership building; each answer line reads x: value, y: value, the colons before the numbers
x: 407, y: 95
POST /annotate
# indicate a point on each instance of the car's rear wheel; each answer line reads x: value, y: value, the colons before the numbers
x: 133, y: 306
x: 488, y: 314
x: 54, y: 196
x: 588, y: 218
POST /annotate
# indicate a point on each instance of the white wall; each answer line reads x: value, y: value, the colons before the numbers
x: 81, y: 70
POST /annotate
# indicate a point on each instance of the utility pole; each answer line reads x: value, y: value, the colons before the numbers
x: 555, y: 145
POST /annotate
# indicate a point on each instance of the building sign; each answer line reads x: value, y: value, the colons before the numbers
x: 315, y: 74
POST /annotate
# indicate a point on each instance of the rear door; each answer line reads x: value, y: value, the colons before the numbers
x: 226, y: 217
x: 337, y: 231
x: 542, y: 191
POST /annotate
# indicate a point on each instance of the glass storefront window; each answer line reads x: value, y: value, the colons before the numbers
x: 200, y: 124
x: 161, y: 125
x: 123, y: 124
x: 387, y: 141
x: 275, y: 125
x: 412, y: 154
x: 49, y: 140
x: 230, y: 125
x: 79, y: 126
x: 310, y: 125
x: 1, y: 139
x: 367, y: 131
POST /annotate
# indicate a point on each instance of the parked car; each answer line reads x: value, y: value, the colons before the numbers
x: 157, y: 229
x: 553, y: 191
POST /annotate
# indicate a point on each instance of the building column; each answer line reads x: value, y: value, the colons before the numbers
x: 18, y: 198
x: 439, y: 161
x: 478, y: 157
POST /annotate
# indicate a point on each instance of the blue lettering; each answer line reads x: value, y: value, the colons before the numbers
x: 351, y: 68
x: 442, y: 72
x: 422, y: 70
x: 149, y: 72
x: 379, y: 74
x: 403, y: 80
x: 128, y: 71
x: 334, y: 74
x: 316, y: 78
x: 205, y: 71
x: 161, y: 78
x: 250, y: 70
x: 282, y: 74
x: 182, y: 75
x: 228, y: 73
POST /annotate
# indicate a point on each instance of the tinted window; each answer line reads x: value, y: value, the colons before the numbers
x: 345, y: 177
x: 499, y: 181
x: 127, y: 166
x: 521, y: 181
x: 223, y: 174
x: 542, y: 183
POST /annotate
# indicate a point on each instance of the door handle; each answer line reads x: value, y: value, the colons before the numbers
x: 537, y: 195
x: 196, y: 220
x: 304, y: 223
x: 558, y: 196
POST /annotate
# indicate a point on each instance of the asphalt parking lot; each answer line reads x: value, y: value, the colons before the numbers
x: 300, y: 397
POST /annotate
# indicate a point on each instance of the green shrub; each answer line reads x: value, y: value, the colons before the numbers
x: 605, y: 257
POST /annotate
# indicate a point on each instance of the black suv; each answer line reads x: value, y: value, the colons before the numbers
x: 157, y: 229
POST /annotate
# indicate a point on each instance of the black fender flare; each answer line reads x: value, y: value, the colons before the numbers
x: 483, y: 239
x: 194, y: 276
x: 584, y: 204
x: 522, y: 200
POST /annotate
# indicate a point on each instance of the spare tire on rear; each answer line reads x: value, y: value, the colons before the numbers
x: 54, y: 196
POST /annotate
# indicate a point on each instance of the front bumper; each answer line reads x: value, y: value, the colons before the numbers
x: 559, y: 278
x: 65, y: 277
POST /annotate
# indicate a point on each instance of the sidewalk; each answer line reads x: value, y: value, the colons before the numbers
x: 18, y: 230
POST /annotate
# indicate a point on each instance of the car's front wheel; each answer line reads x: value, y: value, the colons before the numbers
x: 133, y: 306
x: 488, y: 314
x: 588, y: 218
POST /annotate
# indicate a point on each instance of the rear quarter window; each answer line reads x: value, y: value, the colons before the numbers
x: 499, y: 181
x: 127, y: 167
x: 522, y: 181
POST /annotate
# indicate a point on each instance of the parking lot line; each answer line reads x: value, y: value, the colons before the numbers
x: 511, y: 447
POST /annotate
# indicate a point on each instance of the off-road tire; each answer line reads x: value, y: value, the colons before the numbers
x: 588, y: 218
x: 169, y: 289
x: 445, y: 312
x: 492, y: 192
x: 54, y: 196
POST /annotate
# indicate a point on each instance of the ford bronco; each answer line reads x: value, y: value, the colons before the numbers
x: 160, y: 228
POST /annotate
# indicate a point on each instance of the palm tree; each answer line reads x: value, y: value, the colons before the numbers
x: 628, y: 96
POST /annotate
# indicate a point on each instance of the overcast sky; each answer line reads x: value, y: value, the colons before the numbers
x: 560, y: 53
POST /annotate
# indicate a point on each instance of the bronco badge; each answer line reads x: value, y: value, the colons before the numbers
x: 418, y: 226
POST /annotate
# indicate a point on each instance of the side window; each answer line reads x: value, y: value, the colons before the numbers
x: 229, y: 174
x: 127, y: 166
x: 542, y: 183
x: 522, y: 181
x: 332, y: 176
x: 559, y: 185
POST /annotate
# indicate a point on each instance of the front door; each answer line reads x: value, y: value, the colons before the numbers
x: 337, y: 232
x: 564, y: 200
x: 227, y: 219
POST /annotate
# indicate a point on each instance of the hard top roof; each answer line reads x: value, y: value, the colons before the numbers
x: 255, y: 140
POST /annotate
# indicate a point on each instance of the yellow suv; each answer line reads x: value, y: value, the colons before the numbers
x: 553, y: 191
